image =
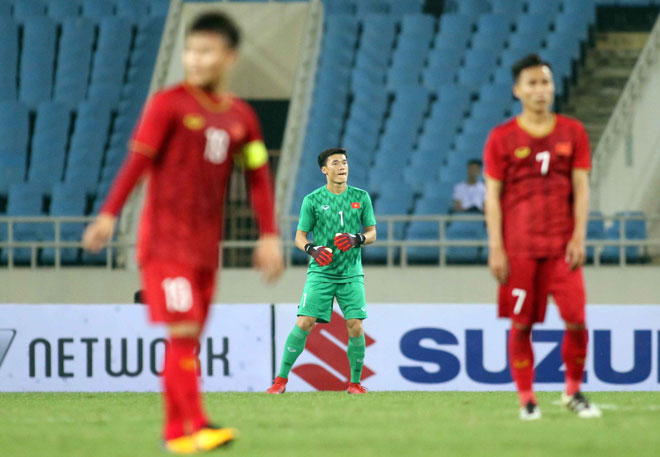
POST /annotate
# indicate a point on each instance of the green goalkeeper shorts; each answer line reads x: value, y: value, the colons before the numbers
x: 318, y: 297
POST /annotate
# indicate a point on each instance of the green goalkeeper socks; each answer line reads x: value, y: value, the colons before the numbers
x: 294, y: 346
x: 355, y: 352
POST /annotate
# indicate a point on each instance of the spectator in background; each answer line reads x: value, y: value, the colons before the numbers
x: 469, y: 195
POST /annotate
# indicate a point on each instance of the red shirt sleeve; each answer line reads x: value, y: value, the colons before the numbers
x: 582, y: 155
x: 493, y: 162
x: 148, y: 138
x: 153, y: 126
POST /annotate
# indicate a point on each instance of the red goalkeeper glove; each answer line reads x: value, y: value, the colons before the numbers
x: 322, y: 254
x: 346, y: 241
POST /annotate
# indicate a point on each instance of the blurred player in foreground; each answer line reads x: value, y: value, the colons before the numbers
x: 537, y: 198
x: 335, y: 213
x: 187, y: 141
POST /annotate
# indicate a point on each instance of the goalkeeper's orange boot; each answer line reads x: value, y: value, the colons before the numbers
x: 211, y: 437
x: 278, y: 387
x: 356, y: 388
x: 183, y: 445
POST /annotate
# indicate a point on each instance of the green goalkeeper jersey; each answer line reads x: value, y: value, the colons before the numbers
x: 326, y: 214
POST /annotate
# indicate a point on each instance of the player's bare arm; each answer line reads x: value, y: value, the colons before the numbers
x: 98, y: 233
x: 497, y: 260
x: 269, y: 257
x: 575, y: 249
x: 369, y: 235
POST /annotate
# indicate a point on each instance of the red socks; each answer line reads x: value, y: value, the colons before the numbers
x: 521, y: 358
x: 573, y: 353
x: 183, y: 407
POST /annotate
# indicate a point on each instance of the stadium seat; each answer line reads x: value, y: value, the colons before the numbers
x: 132, y: 10
x: 510, y: 8
x: 466, y: 231
x: 25, y: 9
x: 98, y: 9
x: 595, y: 231
x: 9, y: 55
x: 635, y: 229
x: 74, y: 60
x: 544, y: 7
x: 37, y: 60
x: 397, y: 7
x: 23, y: 200
x: 49, y: 141
x: 14, y: 128
x: 418, y: 26
x: 61, y: 10
x: 367, y: 7
x: 67, y: 200
x: 333, y: 7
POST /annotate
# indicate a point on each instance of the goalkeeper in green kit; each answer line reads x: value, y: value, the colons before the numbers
x: 335, y: 213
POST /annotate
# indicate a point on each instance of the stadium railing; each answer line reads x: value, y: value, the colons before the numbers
x: 396, y: 247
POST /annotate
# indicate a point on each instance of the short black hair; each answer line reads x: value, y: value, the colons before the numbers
x: 475, y: 162
x: 531, y: 60
x: 219, y: 23
x: 323, y: 156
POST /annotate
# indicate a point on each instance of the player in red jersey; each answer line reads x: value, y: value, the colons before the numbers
x: 187, y: 141
x: 537, y: 197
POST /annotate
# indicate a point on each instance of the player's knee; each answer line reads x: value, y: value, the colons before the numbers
x: 354, y: 327
x: 575, y: 324
x: 521, y: 326
x: 306, y: 323
x: 184, y: 329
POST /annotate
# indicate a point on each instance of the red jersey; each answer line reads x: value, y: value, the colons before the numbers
x: 193, y: 139
x: 537, y: 189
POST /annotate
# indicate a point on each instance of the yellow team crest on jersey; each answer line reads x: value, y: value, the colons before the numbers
x: 194, y: 121
x: 522, y: 152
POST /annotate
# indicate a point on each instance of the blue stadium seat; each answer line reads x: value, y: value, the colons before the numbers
x: 9, y: 57
x: 367, y: 7
x: 67, y: 200
x: 25, y: 9
x: 98, y: 9
x: 397, y: 7
x: 529, y: 42
x: 333, y: 7
x: 74, y: 60
x: 545, y: 7
x: 569, y: 44
x: 475, y: 76
x: 49, y: 142
x: 453, y: 96
x: 472, y: 8
x: 111, y: 56
x: 595, y: 231
x: 5, y: 9
x: 502, y: 75
x: 23, y: 200
x: 419, y: 26
x: 159, y: 7
x: 61, y: 10
x: 585, y: 9
x: 465, y: 230
x: 634, y: 228
x: 481, y: 57
x: 534, y: 23
x: 14, y: 128
x: 37, y: 60
x: 509, y: 7
x: 455, y: 32
x: 572, y: 26
x: 132, y: 10
x: 492, y: 31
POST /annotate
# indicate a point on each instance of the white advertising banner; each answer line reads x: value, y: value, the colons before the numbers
x: 94, y: 348
x: 463, y: 347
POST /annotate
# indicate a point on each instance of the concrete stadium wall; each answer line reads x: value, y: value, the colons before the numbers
x: 630, y: 177
x: 272, y: 37
x: 605, y: 285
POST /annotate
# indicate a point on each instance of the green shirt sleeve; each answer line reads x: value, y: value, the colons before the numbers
x: 368, y: 218
x: 306, y: 221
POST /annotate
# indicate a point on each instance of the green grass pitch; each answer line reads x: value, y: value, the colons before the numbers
x: 324, y: 424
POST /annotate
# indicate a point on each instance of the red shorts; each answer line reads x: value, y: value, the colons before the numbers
x: 177, y: 292
x: 524, y: 297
